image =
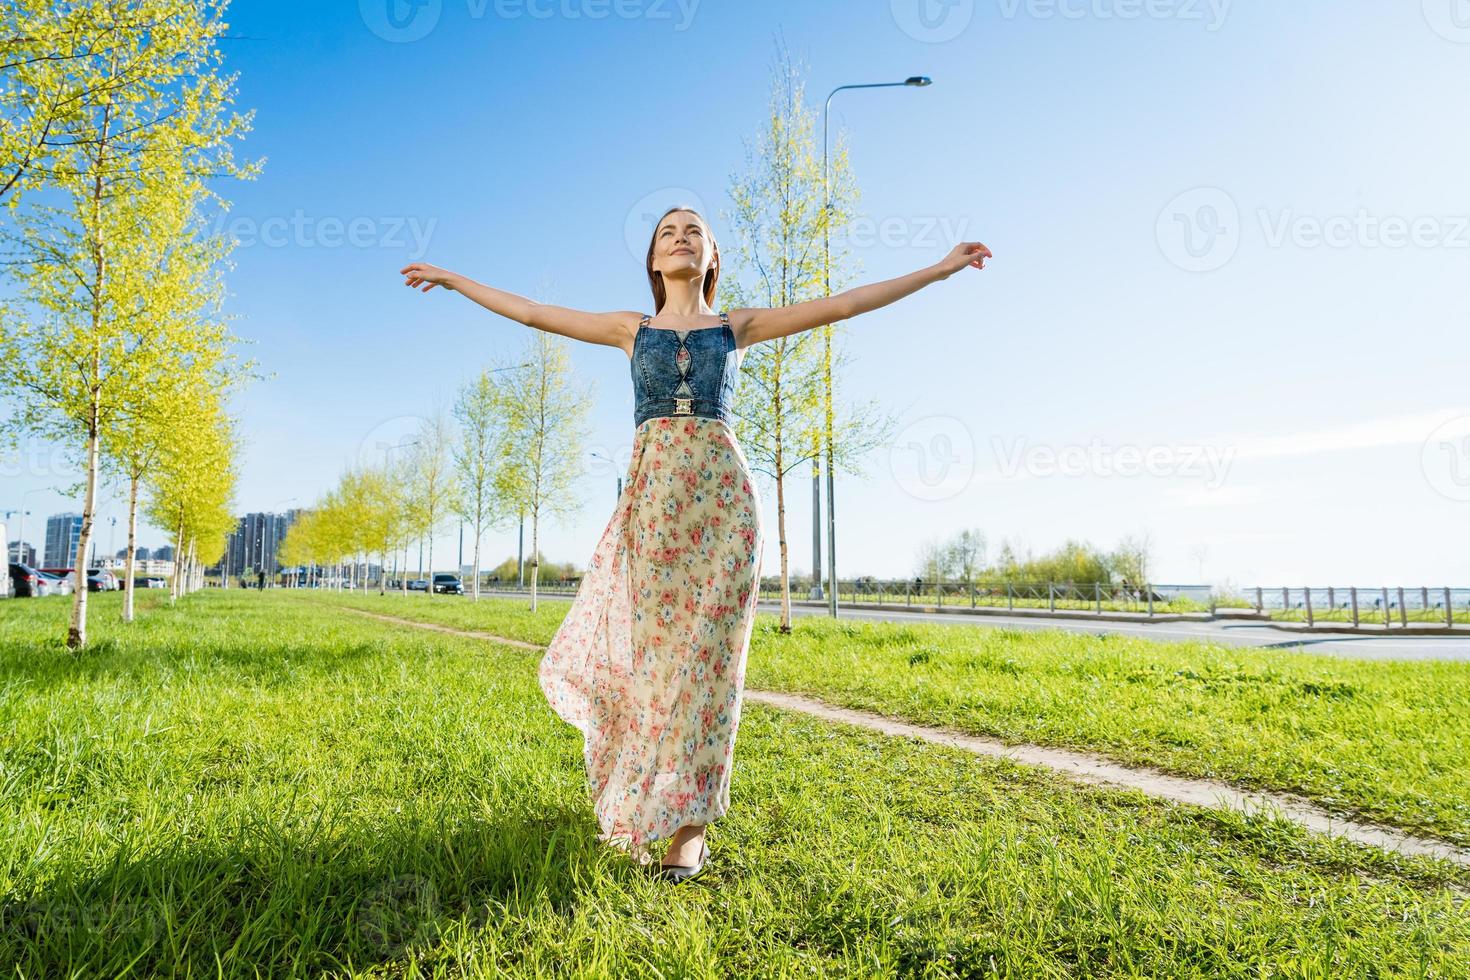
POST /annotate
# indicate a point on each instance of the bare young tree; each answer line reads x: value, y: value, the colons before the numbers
x: 481, y: 413
x: 436, y: 493
x: 778, y: 259
x: 541, y: 454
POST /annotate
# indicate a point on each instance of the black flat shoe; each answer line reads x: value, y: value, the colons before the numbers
x: 681, y: 872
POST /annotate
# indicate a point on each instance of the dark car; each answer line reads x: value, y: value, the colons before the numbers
x: 27, y: 582
x: 448, y: 584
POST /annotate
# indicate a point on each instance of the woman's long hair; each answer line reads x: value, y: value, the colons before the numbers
x: 656, y: 279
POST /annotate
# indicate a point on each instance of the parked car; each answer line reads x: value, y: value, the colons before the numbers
x: 53, y: 584
x: 448, y: 584
x: 151, y: 582
x: 27, y: 581
x: 107, y: 580
x: 418, y: 585
x: 98, y: 580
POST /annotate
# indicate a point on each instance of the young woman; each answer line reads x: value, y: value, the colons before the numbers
x: 649, y: 663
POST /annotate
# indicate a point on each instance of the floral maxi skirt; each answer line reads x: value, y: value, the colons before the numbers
x: 650, y: 661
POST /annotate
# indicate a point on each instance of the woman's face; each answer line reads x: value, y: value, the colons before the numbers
x: 681, y: 247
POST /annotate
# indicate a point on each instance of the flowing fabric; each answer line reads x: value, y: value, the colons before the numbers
x: 650, y: 661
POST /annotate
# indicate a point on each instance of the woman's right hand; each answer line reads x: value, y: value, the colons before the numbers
x: 421, y: 273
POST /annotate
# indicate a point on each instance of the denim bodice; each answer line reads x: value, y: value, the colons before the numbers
x: 685, y: 372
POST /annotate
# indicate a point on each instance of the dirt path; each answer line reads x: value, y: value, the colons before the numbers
x: 1081, y: 766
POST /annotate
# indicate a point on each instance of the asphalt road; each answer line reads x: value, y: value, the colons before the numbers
x: 1232, y: 633
x: 1228, y: 632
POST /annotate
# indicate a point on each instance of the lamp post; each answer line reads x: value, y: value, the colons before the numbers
x: 915, y: 81
x: 20, y: 533
x: 615, y: 463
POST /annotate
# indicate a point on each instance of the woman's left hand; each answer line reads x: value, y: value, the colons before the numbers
x: 965, y: 254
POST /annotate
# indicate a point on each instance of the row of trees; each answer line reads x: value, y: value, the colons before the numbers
x: 512, y: 452
x: 113, y: 115
x: 962, y: 558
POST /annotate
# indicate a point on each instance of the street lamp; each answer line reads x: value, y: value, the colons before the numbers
x: 615, y: 463
x: 20, y: 533
x: 914, y: 81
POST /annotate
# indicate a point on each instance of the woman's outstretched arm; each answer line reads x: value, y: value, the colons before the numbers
x: 613, y: 329
x: 751, y: 326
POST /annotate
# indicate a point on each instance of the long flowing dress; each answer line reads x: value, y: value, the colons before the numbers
x: 649, y: 663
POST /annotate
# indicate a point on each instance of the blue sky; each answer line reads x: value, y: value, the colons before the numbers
x: 1228, y: 304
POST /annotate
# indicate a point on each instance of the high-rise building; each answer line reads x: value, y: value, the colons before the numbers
x: 255, y: 542
x: 63, y: 531
x: 27, y: 553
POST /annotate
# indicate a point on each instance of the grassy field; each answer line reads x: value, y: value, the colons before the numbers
x: 252, y: 784
x: 1380, y: 740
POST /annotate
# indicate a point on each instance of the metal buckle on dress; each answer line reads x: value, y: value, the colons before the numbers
x: 682, y: 406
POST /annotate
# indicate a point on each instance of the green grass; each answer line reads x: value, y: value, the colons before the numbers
x: 263, y: 785
x: 1380, y: 740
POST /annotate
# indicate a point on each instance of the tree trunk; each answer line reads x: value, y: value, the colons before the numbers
x: 535, y: 553
x: 781, y: 541
x: 130, y: 564
x: 476, y: 561
x: 76, y: 634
